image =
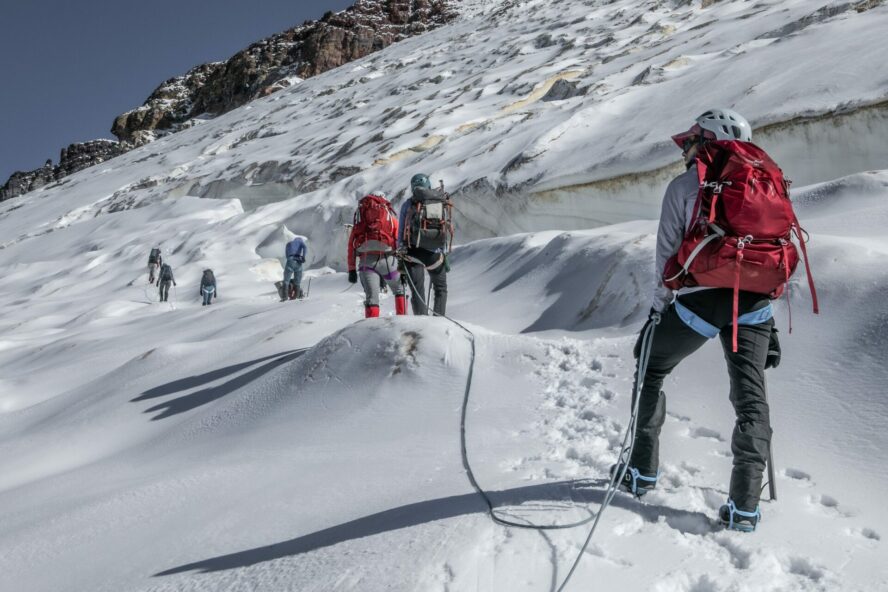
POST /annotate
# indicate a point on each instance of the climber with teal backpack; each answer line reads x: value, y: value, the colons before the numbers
x: 424, y: 238
x: 724, y: 252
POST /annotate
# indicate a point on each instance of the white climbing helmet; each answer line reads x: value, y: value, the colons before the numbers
x: 718, y: 124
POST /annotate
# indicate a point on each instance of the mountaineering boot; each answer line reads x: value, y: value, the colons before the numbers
x: 735, y: 519
x: 400, y: 304
x: 634, y: 482
x: 371, y: 311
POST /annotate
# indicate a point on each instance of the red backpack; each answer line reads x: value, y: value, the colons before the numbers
x: 376, y: 226
x: 741, y: 237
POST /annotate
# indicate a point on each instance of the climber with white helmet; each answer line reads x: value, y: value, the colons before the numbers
x: 690, y: 307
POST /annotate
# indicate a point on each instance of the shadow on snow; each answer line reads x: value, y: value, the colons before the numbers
x: 443, y: 508
x: 212, y: 393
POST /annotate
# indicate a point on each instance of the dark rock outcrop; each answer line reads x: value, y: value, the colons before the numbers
x: 74, y: 158
x: 263, y: 68
x: 267, y: 66
x: 24, y: 181
x: 170, y: 104
x: 77, y: 157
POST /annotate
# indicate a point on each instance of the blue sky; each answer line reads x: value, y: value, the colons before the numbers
x: 70, y: 67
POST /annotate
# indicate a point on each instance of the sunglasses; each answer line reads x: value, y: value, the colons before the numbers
x: 689, y: 142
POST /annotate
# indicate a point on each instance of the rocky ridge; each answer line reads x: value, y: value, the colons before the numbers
x: 209, y: 90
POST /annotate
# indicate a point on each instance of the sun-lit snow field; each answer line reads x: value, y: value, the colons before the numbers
x: 260, y: 446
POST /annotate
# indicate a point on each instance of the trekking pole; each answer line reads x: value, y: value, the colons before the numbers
x: 772, y: 482
x: 308, y: 289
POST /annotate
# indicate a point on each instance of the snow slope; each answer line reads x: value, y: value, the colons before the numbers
x: 260, y: 446
x: 151, y: 446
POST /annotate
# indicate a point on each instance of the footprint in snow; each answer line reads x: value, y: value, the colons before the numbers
x: 803, y: 566
x: 829, y: 505
x: 706, y: 433
x: 803, y: 478
x: 690, y: 468
x: 677, y: 417
x: 866, y: 533
x: 739, y: 557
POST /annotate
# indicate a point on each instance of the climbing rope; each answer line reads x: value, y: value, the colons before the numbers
x: 623, y: 457
x: 628, y: 444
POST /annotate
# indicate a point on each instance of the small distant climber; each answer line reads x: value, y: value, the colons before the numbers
x: 208, y: 287
x: 700, y: 298
x: 164, y: 279
x: 155, y: 260
x: 426, y: 233
x: 296, y: 252
x: 373, y: 240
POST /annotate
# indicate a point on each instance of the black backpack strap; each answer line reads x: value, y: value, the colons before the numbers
x: 711, y: 185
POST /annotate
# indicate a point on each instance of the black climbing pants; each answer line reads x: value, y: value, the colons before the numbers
x: 673, y: 342
x: 434, y: 262
x: 164, y: 289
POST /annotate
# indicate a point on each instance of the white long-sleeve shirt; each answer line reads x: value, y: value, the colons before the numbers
x: 675, y: 218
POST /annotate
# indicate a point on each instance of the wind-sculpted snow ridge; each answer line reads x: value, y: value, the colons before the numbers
x: 537, y: 115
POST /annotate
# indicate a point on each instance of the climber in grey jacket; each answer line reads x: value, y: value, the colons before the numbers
x: 687, y: 320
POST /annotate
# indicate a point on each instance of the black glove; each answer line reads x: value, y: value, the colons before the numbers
x: 653, y: 317
x: 773, y: 359
x: 353, y: 277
